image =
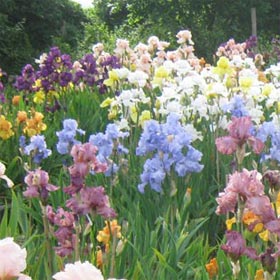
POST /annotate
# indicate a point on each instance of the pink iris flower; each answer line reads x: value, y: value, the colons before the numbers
x: 236, y: 246
x: 239, y: 134
x: 244, y: 185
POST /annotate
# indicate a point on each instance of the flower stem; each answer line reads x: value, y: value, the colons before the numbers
x: 113, y: 253
x: 48, y: 239
x: 76, y: 245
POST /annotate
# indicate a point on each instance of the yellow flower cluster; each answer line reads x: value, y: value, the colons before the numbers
x: 111, y: 230
x: 161, y: 74
x: 259, y: 275
x: 33, y: 125
x: 249, y: 217
x: 223, y: 67
x: 112, y: 80
x: 5, y: 128
x: 41, y: 96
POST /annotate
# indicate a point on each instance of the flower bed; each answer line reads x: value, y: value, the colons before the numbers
x: 145, y: 163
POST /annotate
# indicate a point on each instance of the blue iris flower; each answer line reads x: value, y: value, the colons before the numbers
x: 108, y: 143
x: 167, y: 145
x: 152, y: 175
x: 236, y: 107
x: 37, y: 148
x: 66, y: 137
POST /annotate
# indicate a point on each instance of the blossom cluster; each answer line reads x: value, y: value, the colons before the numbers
x: 38, y: 185
x: 255, y: 208
x: 84, y: 199
x: 57, y: 72
x: 64, y: 222
x: 170, y: 147
x: 170, y: 82
x: 66, y: 137
x: 37, y: 149
x: 158, y: 92
x: 109, y: 146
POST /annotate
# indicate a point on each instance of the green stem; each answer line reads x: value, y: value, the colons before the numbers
x: 113, y: 257
x: 48, y: 239
x: 76, y: 245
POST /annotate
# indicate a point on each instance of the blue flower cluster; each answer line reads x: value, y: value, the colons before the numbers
x: 169, y: 146
x: 268, y: 131
x: 236, y: 107
x: 66, y: 137
x: 108, y: 143
x: 37, y: 148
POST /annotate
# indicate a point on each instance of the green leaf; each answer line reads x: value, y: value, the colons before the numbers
x: 14, y: 216
x: 163, y: 261
x: 4, y: 222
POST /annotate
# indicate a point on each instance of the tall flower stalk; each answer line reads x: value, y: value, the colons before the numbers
x: 38, y: 186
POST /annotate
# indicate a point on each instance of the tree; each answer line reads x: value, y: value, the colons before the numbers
x: 211, y: 21
x: 33, y: 26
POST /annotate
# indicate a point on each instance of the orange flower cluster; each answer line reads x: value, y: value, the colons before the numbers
x: 5, y: 128
x: 33, y: 125
x: 212, y: 268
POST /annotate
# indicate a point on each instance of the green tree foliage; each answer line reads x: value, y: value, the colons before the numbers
x: 30, y: 27
x: 211, y: 21
x: 15, y: 47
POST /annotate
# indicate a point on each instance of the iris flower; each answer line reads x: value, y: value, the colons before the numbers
x: 4, y: 177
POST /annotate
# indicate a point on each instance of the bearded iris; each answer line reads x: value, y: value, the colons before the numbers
x: 169, y: 147
x: 67, y: 136
x: 108, y: 145
x: 37, y: 148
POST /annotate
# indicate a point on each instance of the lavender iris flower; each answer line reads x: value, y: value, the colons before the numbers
x: 236, y: 107
x: 168, y: 145
x: 108, y: 143
x: 37, y: 148
x: 268, y: 131
x: 66, y: 137
x: 153, y: 175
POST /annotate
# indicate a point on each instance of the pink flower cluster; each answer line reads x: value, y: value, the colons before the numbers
x: 84, y: 199
x: 146, y: 57
x: 79, y: 271
x: 236, y: 246
x: 246, y: 187
x: 91, y: 200
x: 239, y: 135
x: 38, y: 184
x: 65, y: 234
x: 84, y: 157
x: 231, y: 48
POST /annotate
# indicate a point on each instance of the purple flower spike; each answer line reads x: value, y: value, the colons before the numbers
x: 91, y: 200
x: 236, y: 246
